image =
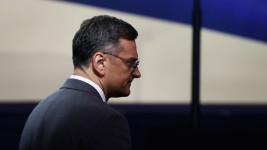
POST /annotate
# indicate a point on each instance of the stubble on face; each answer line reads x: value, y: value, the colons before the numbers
x: 120, y: 72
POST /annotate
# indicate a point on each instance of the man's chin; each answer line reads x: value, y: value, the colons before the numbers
x: 122, y: 94
x: 125, y: 94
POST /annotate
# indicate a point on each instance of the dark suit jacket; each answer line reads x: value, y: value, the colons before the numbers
x: 75, y: 118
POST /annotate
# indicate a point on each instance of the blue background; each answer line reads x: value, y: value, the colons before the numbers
x: 246, y: 18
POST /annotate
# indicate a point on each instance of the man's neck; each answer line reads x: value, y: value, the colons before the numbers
x: 87, y: 73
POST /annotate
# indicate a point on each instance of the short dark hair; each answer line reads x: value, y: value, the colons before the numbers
x: 100, y: 33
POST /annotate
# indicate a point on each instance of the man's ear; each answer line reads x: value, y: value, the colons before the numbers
x: 98, y: 63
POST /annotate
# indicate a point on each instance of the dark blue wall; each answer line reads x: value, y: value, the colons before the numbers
x: 246, y: 18
x: 160, y: 127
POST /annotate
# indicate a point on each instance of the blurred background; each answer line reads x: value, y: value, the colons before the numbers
x: 35, y: 59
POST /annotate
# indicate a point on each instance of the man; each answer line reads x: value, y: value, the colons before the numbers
x: 76, y: 116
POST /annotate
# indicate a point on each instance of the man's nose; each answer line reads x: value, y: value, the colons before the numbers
x: 136, y: 73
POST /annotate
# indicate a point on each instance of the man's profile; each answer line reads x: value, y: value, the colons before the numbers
x: 76, y: 116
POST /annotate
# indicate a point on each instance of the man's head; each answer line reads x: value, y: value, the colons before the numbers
x: 104, y: 49
x: 100, y: 33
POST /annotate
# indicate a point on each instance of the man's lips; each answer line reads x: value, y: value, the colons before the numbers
x: 130, y: 80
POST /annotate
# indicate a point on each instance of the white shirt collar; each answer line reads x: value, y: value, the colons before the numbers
x: 99, y: 90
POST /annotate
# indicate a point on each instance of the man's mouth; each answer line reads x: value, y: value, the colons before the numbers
x: 130, y: 80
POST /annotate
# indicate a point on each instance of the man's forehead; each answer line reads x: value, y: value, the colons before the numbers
x: 128, y: 48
